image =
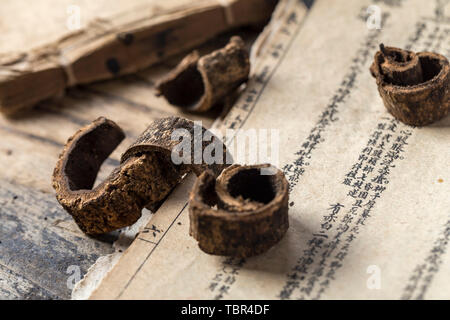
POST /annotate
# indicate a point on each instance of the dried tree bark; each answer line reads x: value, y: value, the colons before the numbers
x: 145, y: 177
x: 196, y: 84
x: 415, y: 87
x: 251, y: 214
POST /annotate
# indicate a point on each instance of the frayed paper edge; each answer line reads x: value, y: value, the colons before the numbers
x: 95, y: 274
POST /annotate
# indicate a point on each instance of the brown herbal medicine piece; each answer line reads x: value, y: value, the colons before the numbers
x: 251, y: 214
x: 414, y: 86
x: 145, y: 176
x: 198, y: 83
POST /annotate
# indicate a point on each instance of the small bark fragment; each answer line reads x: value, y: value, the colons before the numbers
x: 415, y: 87
x: 198, y: 83
x: 251, y: 214
x: 144, y: 178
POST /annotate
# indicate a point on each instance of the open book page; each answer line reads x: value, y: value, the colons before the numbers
x: 369, y: 196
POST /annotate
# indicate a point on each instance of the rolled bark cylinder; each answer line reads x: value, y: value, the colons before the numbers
x: 145, y: 176
x: 414, y: 86
x: 251, y: 214
x: 198, y: 83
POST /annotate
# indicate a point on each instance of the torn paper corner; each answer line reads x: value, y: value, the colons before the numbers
x: 84, y: 288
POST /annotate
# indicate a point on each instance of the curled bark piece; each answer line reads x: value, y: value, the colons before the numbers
x: 145, y: 177
x: 251, y: 214
x: 196, y: 84
x: 415, y: 87
x: 158, y: 137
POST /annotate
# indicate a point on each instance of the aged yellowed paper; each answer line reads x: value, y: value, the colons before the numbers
x: 369, y: 196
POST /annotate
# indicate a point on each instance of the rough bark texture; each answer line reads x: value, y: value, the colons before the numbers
x: 144, y: 178
x: 415, y: 87
x: 251, y: 214
x: 199, y: 83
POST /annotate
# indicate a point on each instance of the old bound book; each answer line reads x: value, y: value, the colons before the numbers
x: 123, y: 42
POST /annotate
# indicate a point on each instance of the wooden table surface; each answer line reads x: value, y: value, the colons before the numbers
x: 39, y: 242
